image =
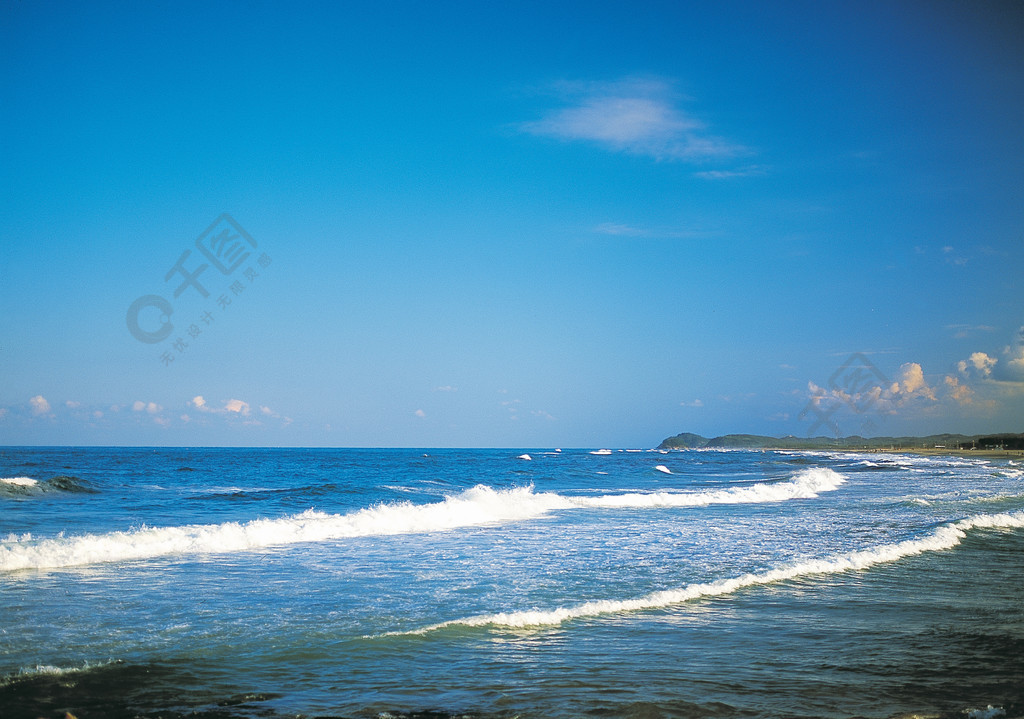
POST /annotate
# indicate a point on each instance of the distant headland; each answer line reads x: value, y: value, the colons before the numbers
x: 935, y: 443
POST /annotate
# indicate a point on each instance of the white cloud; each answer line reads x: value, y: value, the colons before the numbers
x: 979, y: 363
x: 276, y: 415
x: 1015, y: 365
x: 3, y: 412
x: 1009, y: 371
x: 1013, y: 369
x: 71, y: 404
x: 233, y: 406
x: 39, y: 405
x: 420, y: 413
x: 912, y: 383
x: 637, y: 116
x: 909, y: 390
x: 960, y: 393
x: 694, y: 403
x: 150, y: 407
x: 237, y: 406
x: 446, y: 388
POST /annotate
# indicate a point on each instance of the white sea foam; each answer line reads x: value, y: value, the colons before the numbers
x: 476, y: 506
x: 663, y: 468
x: 602, y: 451
x: 20, y: 481
x: 524, y: 456
x: 54, y: 671
x: 480, y: 505
x: 944, y: 537
x: 805, y: 484
x: 990, y: 713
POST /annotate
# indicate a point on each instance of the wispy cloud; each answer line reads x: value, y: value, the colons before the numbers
x: 638, y: 116
x: 953, y: 257
x: 619, y: 229
x: 964, y: 331
x: 748, y: 171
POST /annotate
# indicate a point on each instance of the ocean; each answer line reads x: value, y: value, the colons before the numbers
x: 227, y: 583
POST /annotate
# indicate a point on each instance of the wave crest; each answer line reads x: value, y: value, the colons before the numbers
x: 480, y: 505
x: 944, y: 537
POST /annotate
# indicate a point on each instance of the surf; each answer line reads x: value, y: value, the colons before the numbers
x: 478, y: 506
x: 944, y: 537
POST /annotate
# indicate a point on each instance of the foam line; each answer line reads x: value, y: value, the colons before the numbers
x: 945, y: 537
x: 806, y: 484
x: 480, y: 505
x: 53, y: 671
x: 19, y: 481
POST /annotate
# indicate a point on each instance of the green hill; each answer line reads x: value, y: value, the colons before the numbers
x: 689, y: 440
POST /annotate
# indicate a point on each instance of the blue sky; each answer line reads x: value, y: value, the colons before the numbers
x: 535, y: 225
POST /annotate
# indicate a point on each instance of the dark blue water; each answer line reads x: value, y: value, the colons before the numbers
x: 498, y: 583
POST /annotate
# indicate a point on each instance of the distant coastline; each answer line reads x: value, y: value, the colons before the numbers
x: 987, y: 445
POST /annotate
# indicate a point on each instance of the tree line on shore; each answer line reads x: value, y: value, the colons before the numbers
x: 688, y: 440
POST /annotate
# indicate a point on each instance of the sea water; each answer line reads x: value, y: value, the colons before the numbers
x: 500, y: 583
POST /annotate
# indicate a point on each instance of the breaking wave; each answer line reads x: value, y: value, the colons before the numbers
x: 480, y: 505
x: 944, y: 537
x: 27, y: 486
